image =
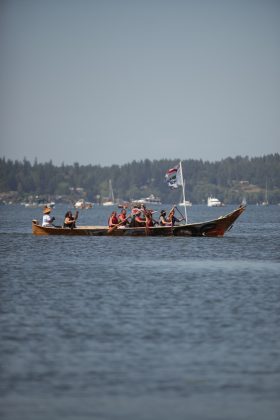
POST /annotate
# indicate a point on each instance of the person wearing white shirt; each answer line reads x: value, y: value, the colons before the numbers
x: 47, y: 219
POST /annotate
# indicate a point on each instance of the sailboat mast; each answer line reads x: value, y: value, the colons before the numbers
x: 183, y: 188
x: 111, y: 191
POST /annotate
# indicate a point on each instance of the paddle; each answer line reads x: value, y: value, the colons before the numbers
x: 75, y: 218
x: 154, y: 221
x: 175, y: 207
x: 112, y: 228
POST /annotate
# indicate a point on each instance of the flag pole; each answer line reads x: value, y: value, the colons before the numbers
x: 183, y: 186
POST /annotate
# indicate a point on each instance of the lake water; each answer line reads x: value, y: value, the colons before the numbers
x: 140, y: 328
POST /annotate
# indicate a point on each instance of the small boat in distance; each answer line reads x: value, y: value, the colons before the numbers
x: 216, y: 227
x: 187, y: 203
x: 30, y: 205
x: 82, y: 204
x: 108, y: 203
x: 214, y: 202
x: 148, y: 200
x: 36, y: 204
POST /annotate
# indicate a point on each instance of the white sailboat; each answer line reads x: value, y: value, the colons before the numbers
x: 183, y: 202
x: 265, y: 202
x: 111, y: 201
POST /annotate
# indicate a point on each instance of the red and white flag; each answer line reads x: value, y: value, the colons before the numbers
x: 174, y: 177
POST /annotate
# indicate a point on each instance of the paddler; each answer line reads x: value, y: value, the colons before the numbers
x: 172, y: 218
x: 162, y: 219
x: 113, y: 219
x: 70, y: 220
x: 47, y: 219
x: 123, y: 218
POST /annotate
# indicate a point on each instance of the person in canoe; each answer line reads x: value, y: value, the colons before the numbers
x: 70, y: 220
x: 139, y: 219
x: 47, y: 219
x: 113, y: 219
x: 163, y: 220
x: 123, y: 218
x: 134, y: 212
x: 150, y: 222
x: 172, y: 218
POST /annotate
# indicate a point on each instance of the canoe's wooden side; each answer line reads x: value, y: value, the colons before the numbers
x: 78, y: 231
x: 216, y: 227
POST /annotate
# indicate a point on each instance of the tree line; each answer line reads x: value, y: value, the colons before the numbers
x: 230, y: 179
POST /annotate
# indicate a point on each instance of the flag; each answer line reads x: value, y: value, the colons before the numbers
x: 174, y: 177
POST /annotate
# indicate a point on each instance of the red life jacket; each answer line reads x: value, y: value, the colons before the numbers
x: 113, y: 220
x: 149, y: 222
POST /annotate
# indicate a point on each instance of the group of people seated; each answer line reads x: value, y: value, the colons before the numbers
x: 69, y: 219
x: 142, y: 217
x: 139, y: 217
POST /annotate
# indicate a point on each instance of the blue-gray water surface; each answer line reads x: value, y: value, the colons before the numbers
x: 140, y: 328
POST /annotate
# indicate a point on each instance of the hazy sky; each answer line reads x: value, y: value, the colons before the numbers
x: 111, y: 81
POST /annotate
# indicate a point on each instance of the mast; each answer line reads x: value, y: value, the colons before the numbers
x: 183, y: 188
x: 111, y: 191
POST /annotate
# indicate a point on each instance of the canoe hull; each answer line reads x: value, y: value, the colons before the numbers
x: 216, y: 227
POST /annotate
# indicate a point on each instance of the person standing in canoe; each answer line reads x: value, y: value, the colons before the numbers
x: 70, y: 220
x: 47, y: 219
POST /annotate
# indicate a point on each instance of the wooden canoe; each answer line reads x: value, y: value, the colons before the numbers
x: 215, y: 227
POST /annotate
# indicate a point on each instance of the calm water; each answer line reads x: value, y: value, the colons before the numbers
x: 140, y: 328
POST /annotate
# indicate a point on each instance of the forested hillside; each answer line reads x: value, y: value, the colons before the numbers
x: 230, y: 180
